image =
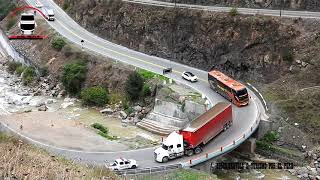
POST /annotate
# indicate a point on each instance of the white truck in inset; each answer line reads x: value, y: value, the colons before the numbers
x: 49, y: 13
x: 27, y: 23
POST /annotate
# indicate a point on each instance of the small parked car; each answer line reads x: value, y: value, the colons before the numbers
x: 122, y: 163
x: 189, y: 76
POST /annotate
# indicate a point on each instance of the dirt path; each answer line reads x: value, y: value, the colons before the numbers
x: 55, y: 129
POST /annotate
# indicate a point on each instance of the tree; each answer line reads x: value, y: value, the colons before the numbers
x: 73, y: 76
x: 233, y: 11
x: 134, y: 85
x: 58, y: 43
x: 97, y: 96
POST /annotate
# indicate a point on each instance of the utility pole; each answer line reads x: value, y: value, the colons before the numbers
x: 280, y: 7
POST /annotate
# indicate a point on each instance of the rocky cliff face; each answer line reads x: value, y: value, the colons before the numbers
x: 313, y: 5
x: 279, y: 54
x: 245, y: 46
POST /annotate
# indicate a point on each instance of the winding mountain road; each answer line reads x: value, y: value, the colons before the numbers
x: 246, y: 119
x: 248, y: 11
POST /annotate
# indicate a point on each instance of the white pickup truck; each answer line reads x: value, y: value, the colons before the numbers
x: 121, y: 164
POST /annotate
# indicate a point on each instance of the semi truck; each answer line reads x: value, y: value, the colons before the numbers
x: 191, y: 139
x: 27, y: 23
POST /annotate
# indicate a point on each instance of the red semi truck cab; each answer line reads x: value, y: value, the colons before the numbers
x: 196, y: 134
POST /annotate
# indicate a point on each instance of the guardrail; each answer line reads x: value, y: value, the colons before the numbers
x: 150, y: 170
x: 227, y: 147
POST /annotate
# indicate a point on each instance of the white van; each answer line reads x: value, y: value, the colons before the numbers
x: 49, y: 13
x: 27, y: 23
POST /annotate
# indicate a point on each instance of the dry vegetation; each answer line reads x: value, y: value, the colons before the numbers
x: 19, y: 160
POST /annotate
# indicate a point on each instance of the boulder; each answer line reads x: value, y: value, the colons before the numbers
x: 43, y: 108
x: 123, y: 115
x: 106, y: 111
x: 39, y: 104
x: 50, y: 101
x: 27, y: 110
x: 137, y: 108
x: 132, y: 114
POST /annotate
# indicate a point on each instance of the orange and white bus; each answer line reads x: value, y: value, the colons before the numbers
x: 232, y: 90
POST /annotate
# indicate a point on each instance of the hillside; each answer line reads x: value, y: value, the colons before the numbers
x: 20, y: 160
x: 279, y: 56
x: 311, y: 5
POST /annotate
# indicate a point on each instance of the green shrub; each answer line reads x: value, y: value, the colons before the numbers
x: 103, y: 131
x: 270, y: 137
x: 146, y: 90
x: 6, y: 7
x: 100, y: 127
x: 66, y: 5
x: 28, y: 75
x: 150, y: 75
x: 97, y: 96
x: 133, y: 86
x: 287, y: 55
x: 129, y: 110
x: 73, y: 76
x: 233, y: 11
x: 125, y: 103
x: 58, y: 43
x: 44, y: 71
x: 20, y: 70
x: 12, y: 66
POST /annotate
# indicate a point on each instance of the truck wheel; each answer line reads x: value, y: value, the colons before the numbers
x: 198, y: 150
x: 165, y: 159
x: 134, y: 166
x: 189, y: 152
x: 225, y: 127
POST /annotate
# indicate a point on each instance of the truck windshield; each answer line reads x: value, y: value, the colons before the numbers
x: 27, y: 26
x: 27, y: 18
x: 164, y: 147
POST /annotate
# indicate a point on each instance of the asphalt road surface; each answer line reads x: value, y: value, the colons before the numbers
x: 245, y: 118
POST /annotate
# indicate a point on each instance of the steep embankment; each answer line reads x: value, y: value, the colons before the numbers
x: 312, y: 5
x: 239, y: 44
x: 280, y: 55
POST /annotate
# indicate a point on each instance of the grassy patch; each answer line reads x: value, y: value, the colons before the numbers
x: 11, y: 22
x: 58, y: 43
x: 233, y: 11
x: 28, y: 76
x: 103, y: 131
x: 146, y: 91
x: 147, y: 75
x: 183, y: 174
x: 73, y: 76
x: 266, y: 143
x: 129, y: 110
x: 12, y: 66
x: 31, y: 163
x: 20, y: 70
x: 97, y: 96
